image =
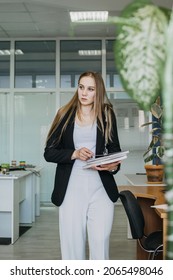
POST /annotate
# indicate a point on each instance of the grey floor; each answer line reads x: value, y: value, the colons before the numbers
x: 42, y: 240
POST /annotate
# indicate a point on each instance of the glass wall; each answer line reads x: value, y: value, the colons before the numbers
x: 35, y: 64
x: 5, y: 115
x: 129, y: 119
x: 77, y: 56
x: 111, y: 71
x: 45, y: 79
x: 5, y: 64
x: 33, y: 113
x: 112, y: 76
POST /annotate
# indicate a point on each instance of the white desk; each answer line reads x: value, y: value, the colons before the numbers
x: 140, y: 180
x: 19, y: 201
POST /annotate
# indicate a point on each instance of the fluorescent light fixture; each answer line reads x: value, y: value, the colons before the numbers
x: 18, y: 52
x: 89, y: 16
x: 89, y: 52
x: 4, y: 52
x: 8, y: 52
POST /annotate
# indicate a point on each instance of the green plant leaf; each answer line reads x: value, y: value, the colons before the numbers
x: 140, y: 52
x: 150, y: 158
x: 156, y: 110
x: 150, y: 147
x: 146, y: 124
x: 156, y: 138
x: 160, y: 150
x: 147, y: 152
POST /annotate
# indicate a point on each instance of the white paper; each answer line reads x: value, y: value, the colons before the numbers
x: 106, y: 159
x: 160, y: 206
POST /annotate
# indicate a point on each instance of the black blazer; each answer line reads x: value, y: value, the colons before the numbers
x: 61, y: 155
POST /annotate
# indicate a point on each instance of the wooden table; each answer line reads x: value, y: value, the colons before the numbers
x: 148, y: 195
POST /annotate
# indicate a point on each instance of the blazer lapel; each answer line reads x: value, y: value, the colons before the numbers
x: 100, y: 142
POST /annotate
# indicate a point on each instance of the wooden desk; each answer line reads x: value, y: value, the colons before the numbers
x: 148, y: 195
x: 163, y: 215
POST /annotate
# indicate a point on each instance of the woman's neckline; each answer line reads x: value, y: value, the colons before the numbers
x: 84, y: 120
x: 84, y: 125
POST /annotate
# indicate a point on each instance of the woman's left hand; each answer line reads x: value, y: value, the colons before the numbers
x: 107, y: 167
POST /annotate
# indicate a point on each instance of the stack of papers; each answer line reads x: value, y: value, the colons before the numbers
x: 113, y: 157
x: 160, y: 206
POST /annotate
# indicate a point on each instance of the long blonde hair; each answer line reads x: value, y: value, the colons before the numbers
x: 101, y: 107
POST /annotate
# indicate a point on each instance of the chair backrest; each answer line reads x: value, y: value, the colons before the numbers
x: 134, y: 213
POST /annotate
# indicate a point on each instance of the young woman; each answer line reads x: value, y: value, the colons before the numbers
x: 84, y: 128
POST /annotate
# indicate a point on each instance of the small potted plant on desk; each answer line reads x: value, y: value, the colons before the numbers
x: 155, y: 150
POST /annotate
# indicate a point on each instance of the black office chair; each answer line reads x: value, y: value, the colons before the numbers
x: 153, y: 243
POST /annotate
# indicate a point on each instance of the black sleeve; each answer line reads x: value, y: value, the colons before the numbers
x: 114, y: 145
x: 58, y: 152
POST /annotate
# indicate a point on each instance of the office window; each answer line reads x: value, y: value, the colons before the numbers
x: 112, y: 77
x: 65, y: 81
x: 4, y: 64
x: 23, y: 81
x: 132, y: 137
x: 45, y: 81
x: 35, y: 64
x: 5, y: 115
x: 33, y: 115
x: 76, y: 57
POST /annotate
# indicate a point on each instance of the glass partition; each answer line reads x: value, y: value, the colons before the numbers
x: 131, y: 135
x: 5, y: 127
x: 33, y: 114
x: 112, y: 77
x: 5, y: 64
x: 35, y: 64
x: 76, y: 57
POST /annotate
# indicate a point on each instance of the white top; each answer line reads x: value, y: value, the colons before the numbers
x: 84, y: 136
x: 84, y: 182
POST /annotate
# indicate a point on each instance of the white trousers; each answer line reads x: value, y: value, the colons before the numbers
x: 86, y: 208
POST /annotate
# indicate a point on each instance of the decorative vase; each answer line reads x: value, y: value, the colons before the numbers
x: 155, y: 173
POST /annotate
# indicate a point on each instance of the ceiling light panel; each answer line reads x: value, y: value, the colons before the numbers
x: 89, y: 16
x: 89, y: 52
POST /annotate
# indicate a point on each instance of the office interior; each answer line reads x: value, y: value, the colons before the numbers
x: 39, y: 74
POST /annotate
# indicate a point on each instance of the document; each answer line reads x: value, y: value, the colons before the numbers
x: 160, y: 206
x: 113, y: 157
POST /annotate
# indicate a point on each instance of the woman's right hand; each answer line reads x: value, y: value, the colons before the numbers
x: 82, y: 154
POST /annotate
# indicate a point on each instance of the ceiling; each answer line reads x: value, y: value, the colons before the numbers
x: 50, y: 18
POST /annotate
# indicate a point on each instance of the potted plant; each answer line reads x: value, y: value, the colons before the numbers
x: 155, y: 151
x: 144, y: 59
x: 140, y: 56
